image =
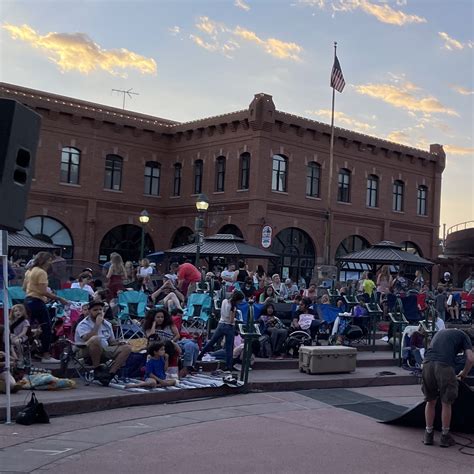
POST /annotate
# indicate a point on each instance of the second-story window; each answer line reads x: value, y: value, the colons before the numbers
x: 177, y: 179
x: 244, y: 171
x: 70, y: 165
x: 152, y: 178
x: 279, y: 173
x: 113, y: 172
x: 344, y: 186
x: 372, y: 198
x: 198, y: 170
x: 220, y: 174
x: 397, y: 195
x: 421, y: 202
x: 313, y: 176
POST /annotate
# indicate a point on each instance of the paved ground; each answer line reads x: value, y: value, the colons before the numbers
x: 280, y: 432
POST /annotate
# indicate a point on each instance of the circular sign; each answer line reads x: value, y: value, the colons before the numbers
x: 266, y: 236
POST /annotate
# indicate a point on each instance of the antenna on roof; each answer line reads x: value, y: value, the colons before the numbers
x: 125, y: 93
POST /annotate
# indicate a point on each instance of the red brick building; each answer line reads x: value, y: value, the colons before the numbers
x: 98, y: 167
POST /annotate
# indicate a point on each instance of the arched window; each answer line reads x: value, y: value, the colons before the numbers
x: 297, y: 255
x: 125, y: 240
x: 344, y: 186
x: 177, y: 179
x: 231, y: 229
x: 198, y: 170
x: 411, y: 247
x: 183, y: 236
x: 244, y: 171
x: 113, y: 172
x: 70, y: 165
x: 421, y: 201
x: 220, y: 174
x: 279, y: 173
x: 398, y: 192
x: 152, y: 178
x: 372, y: 199
x: 350, y: 244
x: 313, y: 178
x: 50, y: 230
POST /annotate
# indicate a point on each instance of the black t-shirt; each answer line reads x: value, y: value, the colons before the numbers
x: 446, y: 344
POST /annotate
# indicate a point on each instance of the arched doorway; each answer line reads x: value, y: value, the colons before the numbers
x: 411, y: 247
x: 125, y: 240
x: 231, y: 229
x: 183, y: 236
x: 50, y: 230
x: 350, y: 244
x: 297, y: 255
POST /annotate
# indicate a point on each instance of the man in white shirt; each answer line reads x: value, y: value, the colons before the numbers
x: 95, y: 338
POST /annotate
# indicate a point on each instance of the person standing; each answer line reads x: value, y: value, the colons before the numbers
x: 188, y: 276
x: 116, y: 274
x: 37, y: 294
x: 439, y: 379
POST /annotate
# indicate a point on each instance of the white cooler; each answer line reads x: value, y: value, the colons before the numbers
x: 327, y: 359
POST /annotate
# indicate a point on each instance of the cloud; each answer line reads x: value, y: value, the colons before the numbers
x: 405, y: 95
x: 452, y: 44
x: 77, y: 51
x: 175, y: 30
x: 462, y: 90
x: 399, y: 136
x: 224, y: 40
x: 340, y: 118
x: 242, y: 5
x: 458, y: 150
x: 383, y: 13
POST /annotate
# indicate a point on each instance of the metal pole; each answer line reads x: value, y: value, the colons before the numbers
x: 142, y: 246
x: 198, y: 229
x: 6, y: 321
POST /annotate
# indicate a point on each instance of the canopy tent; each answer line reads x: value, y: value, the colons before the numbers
x: 222, y: 245
x: 16, y: 240
x: 383, y: 253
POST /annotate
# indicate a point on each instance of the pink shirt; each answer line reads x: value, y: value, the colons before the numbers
x: 189, y: 273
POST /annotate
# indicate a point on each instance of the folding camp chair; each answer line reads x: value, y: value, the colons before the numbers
x: 75, y: 295
x: 197, y: 312
x: 16, y: 295
x: 132, y: 305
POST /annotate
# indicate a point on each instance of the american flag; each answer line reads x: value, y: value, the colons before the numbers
x: 337, y: 79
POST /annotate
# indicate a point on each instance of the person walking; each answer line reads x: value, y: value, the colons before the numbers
x: 439, y: 379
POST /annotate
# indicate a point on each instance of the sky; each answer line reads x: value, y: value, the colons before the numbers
x: 408, y: 64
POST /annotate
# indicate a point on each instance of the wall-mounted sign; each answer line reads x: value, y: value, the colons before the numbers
x: 266, y: 236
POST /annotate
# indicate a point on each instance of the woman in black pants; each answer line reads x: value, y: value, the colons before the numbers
x: 37, y: 294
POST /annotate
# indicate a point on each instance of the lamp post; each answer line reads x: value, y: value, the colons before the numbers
x: 202, y: 204
x: 144, y: 219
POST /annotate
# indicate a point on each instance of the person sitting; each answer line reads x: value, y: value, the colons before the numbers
x: 281, y: 292
x: 213, y: 281
x: 446, y: 282
x: 452, y: 306
x: 95, y: 338
x: 274, y: 328
x: 248, y: 288
x: 155, y: 368
x: 83, y: 283
x: 468, y: 285
x: 292, y: 289
x: 145, y: 269
x: 169, y: 296
x: 6, y: 377
x: 306, y: 318
x: 311, y: 292
x: 268, y: 295
x: 19, y: 329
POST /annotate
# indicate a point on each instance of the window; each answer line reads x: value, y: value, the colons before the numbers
x: 244, y: 175
x: 113, y: 172
x: 279, y: 172
x: 220, y: 173
x: 372, y: 199
x: 313, y: 175
x: 198, y: 169
x: 70, y: 163
x: 344, y: 186
x: 421, y: 205
x: 152, y: 178
x: 177, y: 179
x: 398, y: 189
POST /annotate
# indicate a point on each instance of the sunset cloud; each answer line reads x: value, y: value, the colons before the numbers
x: 452, y: 44
x: 175, y: 30
x: 341, y: 119
x: 242, y: 5
x: 78, y: 52
x: 224, y: 40
x: 462, y: 90
x: 458, y: 150
x: 383, y: 13
x: 405, y: 95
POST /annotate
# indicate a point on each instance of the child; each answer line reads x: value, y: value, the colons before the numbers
x: 155, y: 368
x: 19, y: 328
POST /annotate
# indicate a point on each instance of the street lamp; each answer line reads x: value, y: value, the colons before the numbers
x: 202, y: 204
x: 144, y: 219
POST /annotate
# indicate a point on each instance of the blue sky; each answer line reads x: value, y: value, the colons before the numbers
x: 408, y: 64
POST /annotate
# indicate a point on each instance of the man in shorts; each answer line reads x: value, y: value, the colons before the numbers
x: 95, y: 338
x: 439, y: 379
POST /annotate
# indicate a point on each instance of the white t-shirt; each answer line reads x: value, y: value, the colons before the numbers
x: 105, y: 331
x: 225, y: 312
x: 87, y: 288
x: 145, y: 272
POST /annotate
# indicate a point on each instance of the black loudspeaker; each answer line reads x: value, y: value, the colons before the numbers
x: 19, y: 135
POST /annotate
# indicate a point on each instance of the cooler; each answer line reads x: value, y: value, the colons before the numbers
x: 327, y: 359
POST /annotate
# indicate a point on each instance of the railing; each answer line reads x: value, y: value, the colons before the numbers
x: 458, y: 227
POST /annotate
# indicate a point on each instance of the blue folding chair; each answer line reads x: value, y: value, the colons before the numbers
x: 132, y: 305
x: 197, y: 312
x: 75, y: 295
x: 16, y: 295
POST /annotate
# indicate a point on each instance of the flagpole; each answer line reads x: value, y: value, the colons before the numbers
x: 329, y: 216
